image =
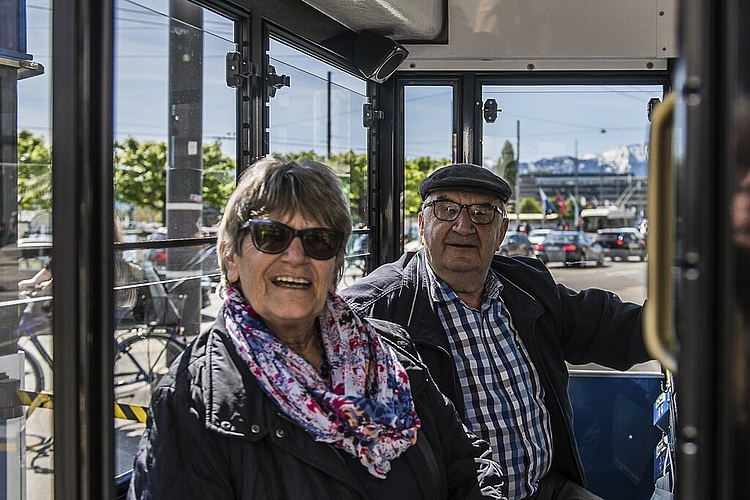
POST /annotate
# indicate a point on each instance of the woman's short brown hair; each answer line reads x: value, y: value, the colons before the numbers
x: 285, y: 187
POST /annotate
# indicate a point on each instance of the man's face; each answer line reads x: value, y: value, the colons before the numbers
x: 461, y: 251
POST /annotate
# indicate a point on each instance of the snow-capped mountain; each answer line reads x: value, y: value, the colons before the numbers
x: 622, y: 160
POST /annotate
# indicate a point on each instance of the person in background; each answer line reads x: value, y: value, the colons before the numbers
x: 496, y: 332
x: 290, y: 394
x: 42, y: 278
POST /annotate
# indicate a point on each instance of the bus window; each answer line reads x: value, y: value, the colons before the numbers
x: 577, y: 157
x: 174, y: 167
x: 319, y: 116
x: 429, y: 142
x: 177, y: 129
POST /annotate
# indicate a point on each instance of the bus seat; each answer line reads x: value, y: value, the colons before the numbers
x: 613, y: 422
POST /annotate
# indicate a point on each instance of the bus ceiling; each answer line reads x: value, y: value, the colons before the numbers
x: 499, y: 35
x: 413, y: 20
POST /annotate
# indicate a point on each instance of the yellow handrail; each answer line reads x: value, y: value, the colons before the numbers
x: 659, y: 333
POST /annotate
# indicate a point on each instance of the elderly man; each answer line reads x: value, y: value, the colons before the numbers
x: 496, y: 331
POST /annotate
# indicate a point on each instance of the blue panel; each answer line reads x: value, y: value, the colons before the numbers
x: 613, y: 419
x: 4, y: 460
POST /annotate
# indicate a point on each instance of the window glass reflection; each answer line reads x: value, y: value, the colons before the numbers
x: 319, y: 116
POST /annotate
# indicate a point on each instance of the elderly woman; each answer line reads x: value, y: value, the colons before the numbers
x: 290, y: 394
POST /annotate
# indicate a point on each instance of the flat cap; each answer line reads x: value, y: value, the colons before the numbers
x: 465, y: 176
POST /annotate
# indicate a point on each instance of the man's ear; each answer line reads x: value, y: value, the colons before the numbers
x: 503, y: 230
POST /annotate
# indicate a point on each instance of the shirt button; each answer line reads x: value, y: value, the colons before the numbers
x: 255, y: 428
x: 280, y: 433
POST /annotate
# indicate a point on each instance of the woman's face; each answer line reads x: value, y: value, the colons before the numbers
x: 288, y: 290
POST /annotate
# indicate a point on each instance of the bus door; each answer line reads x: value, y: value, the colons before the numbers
x: 702, y: 230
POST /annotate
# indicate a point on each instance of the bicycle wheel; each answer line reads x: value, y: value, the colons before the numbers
x: 33, y: 379
x: 140, y: 363
x: 354, y: 270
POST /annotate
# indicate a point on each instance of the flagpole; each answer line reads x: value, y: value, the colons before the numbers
x: 575, y: 192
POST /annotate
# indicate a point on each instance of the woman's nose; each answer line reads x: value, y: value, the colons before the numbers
x: 295, y: 252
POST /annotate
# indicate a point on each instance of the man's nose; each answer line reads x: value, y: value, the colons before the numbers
x: 463, y: 223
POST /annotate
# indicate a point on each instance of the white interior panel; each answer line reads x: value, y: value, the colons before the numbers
x: 553, y: 34
x: 396, y: 19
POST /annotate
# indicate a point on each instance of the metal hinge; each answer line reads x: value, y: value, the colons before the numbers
x: 370, y: 115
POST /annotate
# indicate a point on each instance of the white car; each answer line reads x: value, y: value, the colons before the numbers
x: 536, y: 236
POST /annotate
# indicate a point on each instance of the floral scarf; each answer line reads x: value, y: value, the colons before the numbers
x: 367, y: 410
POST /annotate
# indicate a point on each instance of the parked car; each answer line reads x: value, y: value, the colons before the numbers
x: 537, y: 236
x: 158, y: 256
x: 622, y: 243
x: 516, y: 243
x: 570, y: 247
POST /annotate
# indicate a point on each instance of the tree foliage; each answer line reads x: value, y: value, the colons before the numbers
x: 356, y: 187
x: 219, y: 173
x: 507, y: 166
x: 140, y: 174
x: 414, y: 172
x: 34, y: 172
x: 530, y: 205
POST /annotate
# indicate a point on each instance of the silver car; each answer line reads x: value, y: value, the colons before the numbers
x: 570, y: 248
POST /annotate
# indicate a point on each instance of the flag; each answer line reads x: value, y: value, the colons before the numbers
x: 575, y: 202
x: 547, y: 205
x: 594, y: 202
x: 561, y: 204
x: 576, y: 208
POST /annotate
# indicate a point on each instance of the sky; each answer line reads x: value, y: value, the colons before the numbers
x: 552, y: 120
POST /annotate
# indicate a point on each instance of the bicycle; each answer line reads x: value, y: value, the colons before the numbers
x: 355, y: 268
x: 142, y: 353
x: 33, y: 324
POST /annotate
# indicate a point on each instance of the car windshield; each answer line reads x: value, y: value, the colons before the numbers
x: 562, y: 237
x: 540, y: 232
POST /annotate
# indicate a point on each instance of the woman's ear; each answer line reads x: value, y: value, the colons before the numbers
x: 229, y: 262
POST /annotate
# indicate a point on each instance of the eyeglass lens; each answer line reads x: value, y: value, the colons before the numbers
x: 274, y: 237
x: 447, y: 210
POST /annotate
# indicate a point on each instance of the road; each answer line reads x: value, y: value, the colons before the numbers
x: 625, y: 278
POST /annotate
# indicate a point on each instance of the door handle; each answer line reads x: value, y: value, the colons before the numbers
x: 659, y: 333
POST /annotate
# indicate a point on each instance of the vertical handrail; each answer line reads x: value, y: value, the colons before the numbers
x: 659, y: 333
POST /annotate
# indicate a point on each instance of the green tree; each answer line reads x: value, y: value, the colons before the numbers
x: 356, y: 164
x: 530, y: 205
x: 507, y: 166
x: 34, y: 172
x: 140, y: 176
x: 219, y: 174
x: 414, y: 172
x: 355, y: 183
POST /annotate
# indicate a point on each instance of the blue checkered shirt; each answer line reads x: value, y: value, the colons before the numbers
x: 502, y: 394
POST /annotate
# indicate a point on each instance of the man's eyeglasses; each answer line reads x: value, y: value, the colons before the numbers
x: 273, y: 237
x: 479, y: 213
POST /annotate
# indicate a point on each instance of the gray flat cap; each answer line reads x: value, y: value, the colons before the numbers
x: 465, y: 176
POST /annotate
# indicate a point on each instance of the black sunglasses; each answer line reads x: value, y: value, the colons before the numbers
x: 273, y: 237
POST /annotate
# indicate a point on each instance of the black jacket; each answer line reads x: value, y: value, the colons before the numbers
x: 555, y: 323
x: 213, y: 433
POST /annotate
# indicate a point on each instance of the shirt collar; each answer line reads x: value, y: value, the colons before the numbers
x: 440, y: 291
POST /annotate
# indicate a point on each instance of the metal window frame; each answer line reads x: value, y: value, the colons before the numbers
x: 83, y: 101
